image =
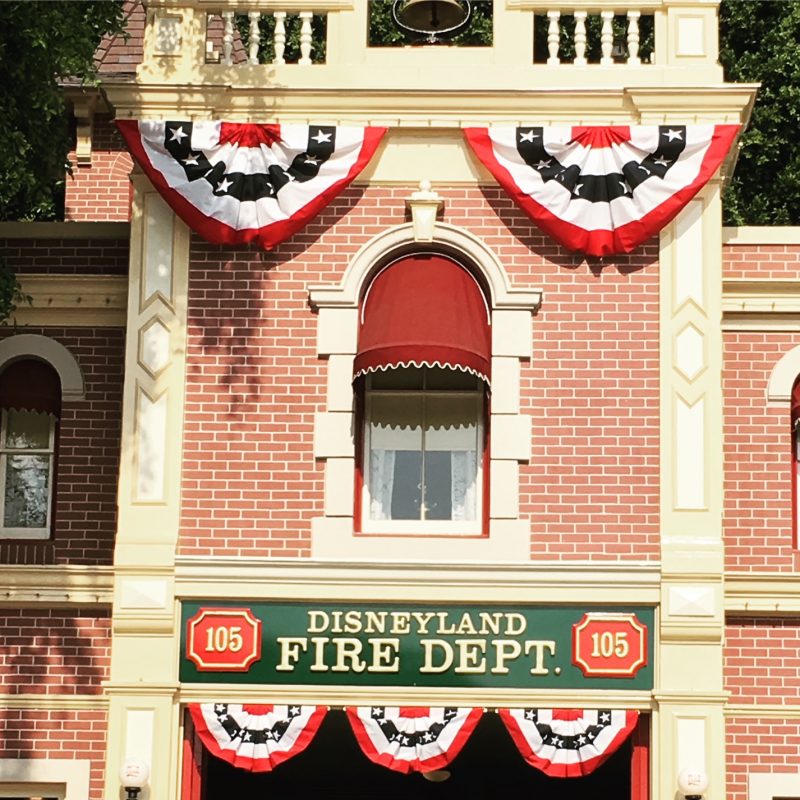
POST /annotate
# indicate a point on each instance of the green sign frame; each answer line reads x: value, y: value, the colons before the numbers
x: 426, y: 645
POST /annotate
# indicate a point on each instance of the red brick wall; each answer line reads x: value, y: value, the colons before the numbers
x: 255, y: 381
x: 66, y: 256
x: 757, y: 452
x: 57, y: 733
x: 761, y: 261
x: 54, y: 651
x: 88, y: 455
x: 756, y: 745
x: 762, y: 660
x: 102, y: 190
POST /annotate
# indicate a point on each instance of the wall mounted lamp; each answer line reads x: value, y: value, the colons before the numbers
x: 692, y: 783
x: 133, y: 775
x: 424, y: 205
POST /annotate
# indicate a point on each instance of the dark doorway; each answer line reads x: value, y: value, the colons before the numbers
x: 333, y: 766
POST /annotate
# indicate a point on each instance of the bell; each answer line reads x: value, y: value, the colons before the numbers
x: 431, y: 15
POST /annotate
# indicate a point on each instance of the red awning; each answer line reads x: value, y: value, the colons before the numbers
x: 424, y: 310
x: 30, y: 385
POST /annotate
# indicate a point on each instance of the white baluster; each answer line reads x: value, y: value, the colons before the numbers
x: 553, y: 36
x: 305, y: 37
x: 633, y: 37
x: 580, y: 38
x: 254, y: 37
x: 227, y: 38
x: 607, y: 37
x: 280, y: 37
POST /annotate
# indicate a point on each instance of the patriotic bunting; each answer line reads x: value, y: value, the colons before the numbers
x: 236, y: 183
x: 602, y: 190
x: 568, y: 743
x: 412, y: 739
x: 256, y: 737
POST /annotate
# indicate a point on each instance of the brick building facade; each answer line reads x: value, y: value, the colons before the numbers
x: 210, y: 445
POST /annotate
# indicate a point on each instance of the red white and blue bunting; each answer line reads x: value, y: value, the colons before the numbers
x: 412, y: 739
x: 256, y: 737
x: 235, y: 183
x: 568, y: 743
x: 602, y: 190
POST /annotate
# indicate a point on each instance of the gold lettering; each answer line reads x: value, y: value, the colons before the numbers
x: 352, y: 622
x: 319, y: 643
x: 505, y: 650
x: 375, y: 622
x: 443, y: 628
x: 471, y: 658
x: 317, y: 622
x: 490, y: 623
x: 401, y: 621
x: 291, y: 647
x: 428, y: 646
x: 422, y: 619
x: 511, y: 629
x: 348, y: 650
x: 538, y: 667
x: 466, y: 626
x: 384, y: 655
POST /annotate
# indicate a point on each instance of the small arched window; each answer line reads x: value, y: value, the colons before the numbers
x: 30, y: 405
x: 423, y: 363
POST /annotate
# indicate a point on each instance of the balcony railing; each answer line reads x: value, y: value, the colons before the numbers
x: 528, y: 43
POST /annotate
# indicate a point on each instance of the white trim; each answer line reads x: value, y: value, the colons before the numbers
x: 783, y: 375
x: 769, y: 786
x: 63, y: 362
x: 68, y: 778
x: 763, y: 234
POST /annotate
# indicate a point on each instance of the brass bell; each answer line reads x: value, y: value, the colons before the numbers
x: 432, y: 15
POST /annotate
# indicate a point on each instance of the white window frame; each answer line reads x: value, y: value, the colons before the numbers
x: 5, y: 453
x: 422, y: 527
x: 334, y: 535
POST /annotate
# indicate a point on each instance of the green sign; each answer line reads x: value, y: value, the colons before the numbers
x: 359, y: 644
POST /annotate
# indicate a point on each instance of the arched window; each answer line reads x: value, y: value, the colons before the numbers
x: 423, y: 366
x: 30, y: 405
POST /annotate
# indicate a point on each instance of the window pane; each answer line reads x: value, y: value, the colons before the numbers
x: 453, y: 379
x: 395, y: 457
x: 451, y: 457
x: 28, y: 430
x: 26, y: 491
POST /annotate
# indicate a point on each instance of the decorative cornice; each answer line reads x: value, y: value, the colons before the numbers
x: 761, y: 234
x: 56, y: 586
x: 767, y: 304
x: 759, y: 710
x: 265, y: 579
x: 73, y: 300
x: 754, y: 594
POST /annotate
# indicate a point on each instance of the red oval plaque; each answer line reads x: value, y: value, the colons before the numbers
x: 609, y: 645
x: 223, y: 639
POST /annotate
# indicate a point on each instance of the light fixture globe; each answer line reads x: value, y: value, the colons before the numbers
x: 133, y: 775
x: 692, y: 783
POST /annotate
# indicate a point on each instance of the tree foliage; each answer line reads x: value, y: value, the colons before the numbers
x: 759, y: 42
x: 40, y: 43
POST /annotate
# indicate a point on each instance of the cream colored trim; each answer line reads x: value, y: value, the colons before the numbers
x: 762, y: 594
x: 64, y: 230
x: 566, y: 102
x: 70, y: 776
x: 394, y: 242
x: 62, y: 361
x: 67, y: 702
x: 775, y: 711
x: 748, y: 235
x: 773, y: 786
x: 627, y: 582
x: 771, y: 304
x: 73, y: 300
x: 783, y: 375
x: 57, y: 586
x: 341, y: 696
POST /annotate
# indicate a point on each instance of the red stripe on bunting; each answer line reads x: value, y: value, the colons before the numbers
x: 404, y: 740
x: 267, y: 235
x: 538, y: 202
x: 253, y: 737
x: 566, y: 745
